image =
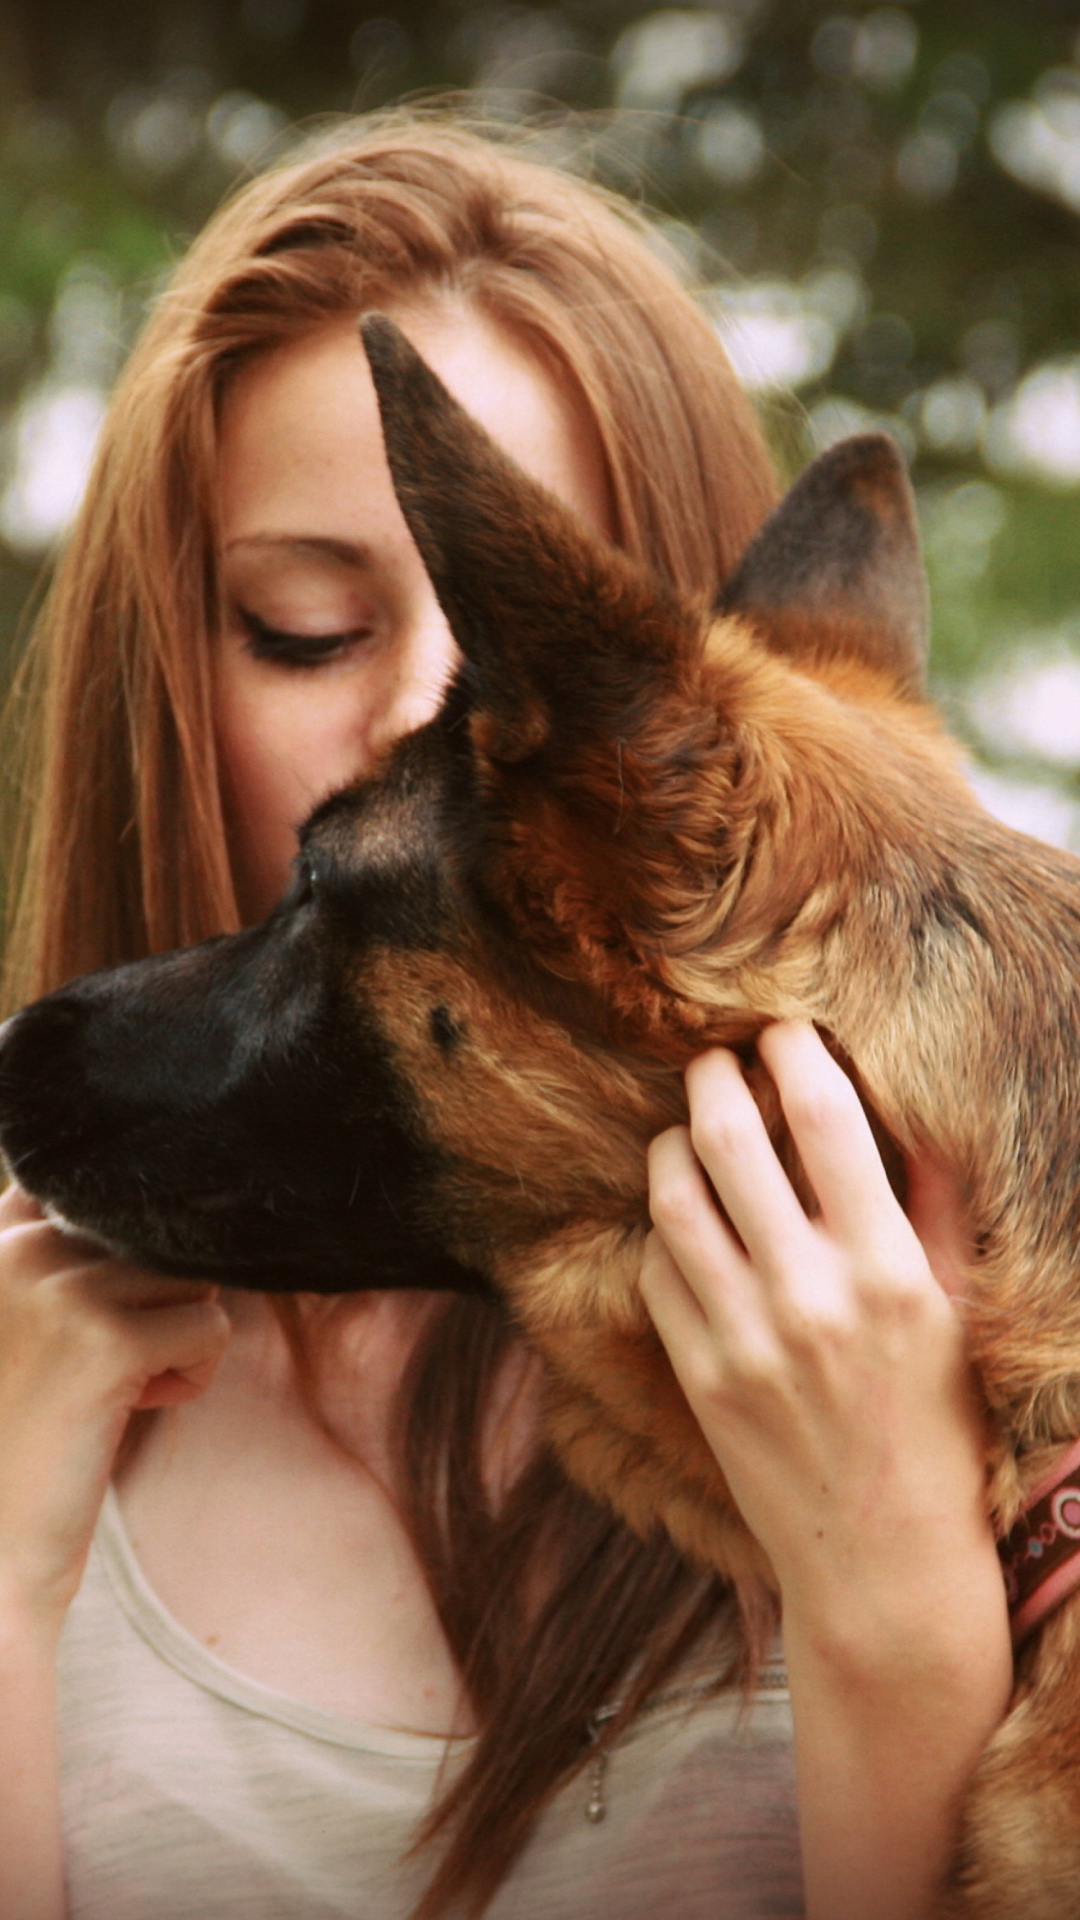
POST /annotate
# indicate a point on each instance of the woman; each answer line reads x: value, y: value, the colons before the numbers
x: 343, y: 1548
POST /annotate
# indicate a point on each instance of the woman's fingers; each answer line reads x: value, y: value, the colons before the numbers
x: 181, y: 1345
x: 832, y: 1136
x: 729, y: 1138
x: 839, y: 1154
x: 695, y: 1274
x: 18, y: 1210
x: 167, y: 1335
x: 822, y: 1362
x: 173, y: 1330
x: 84, y: 1340
x: 674, y: 1307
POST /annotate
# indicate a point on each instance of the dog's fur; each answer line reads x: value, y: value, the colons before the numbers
x: 636, y: 828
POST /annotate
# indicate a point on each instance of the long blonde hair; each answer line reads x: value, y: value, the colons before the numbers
x: 123, y: 845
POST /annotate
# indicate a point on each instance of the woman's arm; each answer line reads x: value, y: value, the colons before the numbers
x: 826, y: 1365
x: 31, y: 1851
x: 84, y: 1341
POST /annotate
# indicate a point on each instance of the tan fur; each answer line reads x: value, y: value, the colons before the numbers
x: 927, y: 1035
x: 783, y: 831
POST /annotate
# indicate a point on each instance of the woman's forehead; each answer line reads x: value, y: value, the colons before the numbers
x: 302, y: 417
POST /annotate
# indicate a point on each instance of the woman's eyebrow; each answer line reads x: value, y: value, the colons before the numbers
x: 349, y: 553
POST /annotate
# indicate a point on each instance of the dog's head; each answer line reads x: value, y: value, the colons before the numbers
x: 459, y: 1030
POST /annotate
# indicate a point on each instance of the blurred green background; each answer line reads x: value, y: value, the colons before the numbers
x: 880, y: 202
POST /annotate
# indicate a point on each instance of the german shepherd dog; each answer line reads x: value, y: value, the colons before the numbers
x: 636, y: 828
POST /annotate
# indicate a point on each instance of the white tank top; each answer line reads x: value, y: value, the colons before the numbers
x: 193, y: 1793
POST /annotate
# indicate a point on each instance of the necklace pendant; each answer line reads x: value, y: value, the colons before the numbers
x: 595, y: 1808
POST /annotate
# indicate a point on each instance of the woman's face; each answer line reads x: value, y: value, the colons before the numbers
x: 334, y: 644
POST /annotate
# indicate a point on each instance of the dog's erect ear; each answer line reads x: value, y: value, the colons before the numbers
x: 552, y: 619
x: 836, y: 572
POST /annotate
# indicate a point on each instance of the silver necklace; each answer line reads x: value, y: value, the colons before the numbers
x: 772, y: 1675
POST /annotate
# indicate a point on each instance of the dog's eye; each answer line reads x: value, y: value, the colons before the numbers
x: 445, y: 1030
x: 305, y: 883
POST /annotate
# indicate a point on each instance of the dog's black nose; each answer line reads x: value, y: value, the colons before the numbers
x: 37, y: 1050
x: 36, y: 1041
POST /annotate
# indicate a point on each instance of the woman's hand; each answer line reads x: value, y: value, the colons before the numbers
x: 84, y: 1342
x: 825, y: 1362
x: 822, y: 1358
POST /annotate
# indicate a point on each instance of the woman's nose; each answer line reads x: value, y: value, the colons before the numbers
x: 418, y: 672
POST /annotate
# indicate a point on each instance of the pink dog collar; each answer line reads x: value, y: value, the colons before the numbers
x: 1041, y: 1552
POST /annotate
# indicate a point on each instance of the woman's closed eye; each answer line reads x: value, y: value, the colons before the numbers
x: 275, y: 644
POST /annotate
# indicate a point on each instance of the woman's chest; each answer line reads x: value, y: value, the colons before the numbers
x: 285, y: 1558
